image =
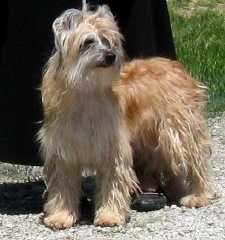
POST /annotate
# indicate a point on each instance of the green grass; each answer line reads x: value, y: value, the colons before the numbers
x: 199, y: 34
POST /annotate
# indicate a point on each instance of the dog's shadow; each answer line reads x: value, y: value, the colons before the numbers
x: 29, y: 198
x: 21, y: 198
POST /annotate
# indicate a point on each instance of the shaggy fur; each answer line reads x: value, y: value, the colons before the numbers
x: 101, y: 114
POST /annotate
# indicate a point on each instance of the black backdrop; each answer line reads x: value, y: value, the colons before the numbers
x: 26, y: 43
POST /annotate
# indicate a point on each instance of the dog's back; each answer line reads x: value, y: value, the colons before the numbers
x: 156, y: 89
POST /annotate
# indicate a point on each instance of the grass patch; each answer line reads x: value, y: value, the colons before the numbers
x: 199, y: 34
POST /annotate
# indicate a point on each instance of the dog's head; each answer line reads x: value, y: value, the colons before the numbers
x: 88, y: 43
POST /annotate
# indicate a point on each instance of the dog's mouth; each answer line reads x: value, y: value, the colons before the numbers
x: 108, y: 61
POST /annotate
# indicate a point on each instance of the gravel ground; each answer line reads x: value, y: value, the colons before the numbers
x: 21, y: 205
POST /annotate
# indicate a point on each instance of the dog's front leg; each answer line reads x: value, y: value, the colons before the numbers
x: 116, y: 180
x: 63, y: 185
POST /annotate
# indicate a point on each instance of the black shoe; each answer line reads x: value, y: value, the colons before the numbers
x: 145, y: 202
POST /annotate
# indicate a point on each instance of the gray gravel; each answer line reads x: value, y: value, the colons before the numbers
x: 21, y: 205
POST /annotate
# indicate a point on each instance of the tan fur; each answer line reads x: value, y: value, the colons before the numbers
x: 151, y: 114
x: 162, y: 106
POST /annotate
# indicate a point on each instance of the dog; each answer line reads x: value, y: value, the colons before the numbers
x: 118, y: 119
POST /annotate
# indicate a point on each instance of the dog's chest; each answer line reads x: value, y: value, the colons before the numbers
x: 91, y: 131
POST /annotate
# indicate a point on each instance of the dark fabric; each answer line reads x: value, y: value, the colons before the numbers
x: 26, y: 44
x: 145, y: 25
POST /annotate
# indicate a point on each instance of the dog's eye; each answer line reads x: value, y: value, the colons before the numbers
x: 106, y: 42
x: 87, y: 43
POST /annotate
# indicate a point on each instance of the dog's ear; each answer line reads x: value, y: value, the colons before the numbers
x: 64, y: 25
x: 104, y: 11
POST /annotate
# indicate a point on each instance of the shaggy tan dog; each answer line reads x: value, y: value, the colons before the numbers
x: 101, y: 114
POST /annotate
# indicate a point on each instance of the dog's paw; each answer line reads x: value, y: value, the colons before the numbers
x: 60, y: 220
x: 195, y: 201
x: 108, y: 218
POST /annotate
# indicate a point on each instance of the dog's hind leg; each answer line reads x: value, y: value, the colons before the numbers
x: 184, y: 145
x: 63, y: 186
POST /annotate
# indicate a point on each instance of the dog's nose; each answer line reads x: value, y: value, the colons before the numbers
x: 110, y: 59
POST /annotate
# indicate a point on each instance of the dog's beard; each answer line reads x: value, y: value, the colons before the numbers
x: 86, y: 75
x: 93, y: 80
